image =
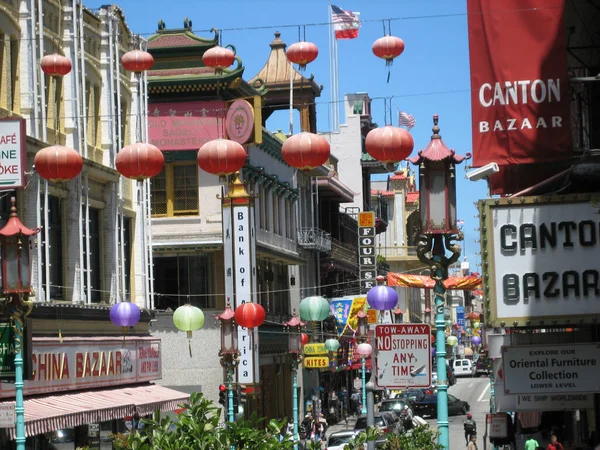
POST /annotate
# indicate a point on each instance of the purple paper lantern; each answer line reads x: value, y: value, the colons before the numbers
x: 125, y: 314
x: 476, y: 340
x: 382, y: 298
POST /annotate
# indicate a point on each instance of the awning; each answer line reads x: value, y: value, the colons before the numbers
x: 54, y: 412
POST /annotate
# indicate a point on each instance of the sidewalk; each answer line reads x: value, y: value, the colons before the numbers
x: 341, y: 426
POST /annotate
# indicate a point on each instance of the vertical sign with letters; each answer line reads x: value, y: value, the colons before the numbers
x: 227, y: 249
x: 367, y: 262
x: 243, y: 234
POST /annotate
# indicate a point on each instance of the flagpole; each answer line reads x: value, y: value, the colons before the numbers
x: 330, y: 27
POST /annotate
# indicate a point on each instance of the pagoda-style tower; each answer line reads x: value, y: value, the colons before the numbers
x: 275, y: 77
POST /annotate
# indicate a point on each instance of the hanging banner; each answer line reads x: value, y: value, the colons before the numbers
x: 519, y: 99
x: 340, y: 308
x: 358, y: 304
x: 424, y: 282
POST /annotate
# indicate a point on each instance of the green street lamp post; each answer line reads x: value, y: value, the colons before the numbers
x: 437, y: 233
x: 16, y: 276
x: 228, y: 353
x: 294, y: 329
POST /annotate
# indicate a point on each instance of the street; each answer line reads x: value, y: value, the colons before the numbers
x: 476, y: 391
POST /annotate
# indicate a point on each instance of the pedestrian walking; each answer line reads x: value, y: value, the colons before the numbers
x: 470, y: 427
x: 473, y: 443
x: 531, y: 443
x: 554, y: 444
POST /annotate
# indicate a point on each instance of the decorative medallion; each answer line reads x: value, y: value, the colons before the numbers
x: 240, y: 121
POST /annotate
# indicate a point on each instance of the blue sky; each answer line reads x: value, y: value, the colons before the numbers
x: 430, y: 77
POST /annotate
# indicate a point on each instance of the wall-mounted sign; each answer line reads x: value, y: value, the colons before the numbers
x: 403, y: 355
x: 314, y: 362
x: 541, y: 259
x: 315, y: 349
x: 367, y: 261
x: 240, y: 121
x: 86, y: 364
x: 535, y: 369
x: 497, y: 425
x: 7, y: 351
x: 185, y: 125
x: 13, y: 153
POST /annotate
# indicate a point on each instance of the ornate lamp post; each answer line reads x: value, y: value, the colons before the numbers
x: 438, y: 230
x: 229, y: 352
x: 364, y: 350
x: 295, y: 344
x: 16, y: 286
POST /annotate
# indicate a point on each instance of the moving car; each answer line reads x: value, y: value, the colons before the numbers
x: 395, y: 405
x: 337, y: 441
x: 411, y: 395
x: 428, y: 406
x: 464, y: 367
x: 481, y: 367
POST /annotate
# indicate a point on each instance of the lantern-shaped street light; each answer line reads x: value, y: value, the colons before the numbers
x: 295, y: 344
x: 362, y: 328
x: 438, y: 230
x: 398, y: 315
x: 229, y: 352
x: 16, y: 278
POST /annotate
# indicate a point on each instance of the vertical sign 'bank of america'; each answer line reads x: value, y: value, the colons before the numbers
x: 240, y: 271
x: 366, y: 250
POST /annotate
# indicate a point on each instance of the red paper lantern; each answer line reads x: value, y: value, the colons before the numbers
x: 305, y: 151
x: 304, y: 338
x: 55, y: 65
x: 139, y: 161
x: 218, y: 58
x: 302, y: 53
x: 250, y: 315
x: 58, y: 163
x: 221, y: 157
x: 388, y: 48
x: 389, y: 144
x: 137, y: 61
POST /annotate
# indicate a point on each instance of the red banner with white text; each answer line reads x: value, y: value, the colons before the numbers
x: 519, y: 87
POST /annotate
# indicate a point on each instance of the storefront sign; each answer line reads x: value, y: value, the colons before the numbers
x: 519, y: 99
x: 403, y: 355
x: 315, y: 349
x: 85, y: 364
x: 497, y: 425
x: 185, y: 125
x: 7, y: 351
x: 240, y: 121
x: 562, y: 369
x: 541, y: 260
x: 13, y: 153
x: 367, y: 260
x: 7, y: 415
x: 316, y: 363
x: 460, y: 321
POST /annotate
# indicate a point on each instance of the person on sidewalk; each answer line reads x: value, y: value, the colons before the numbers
x: 554, y: 444
x: 470, y: 428
x: 473, y: 444
x: 531, y: 443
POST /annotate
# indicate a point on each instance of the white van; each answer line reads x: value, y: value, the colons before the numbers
x: 464, y: 368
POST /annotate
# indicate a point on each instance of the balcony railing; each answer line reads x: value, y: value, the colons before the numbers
x: 397, y: 252
x: 314, y: 239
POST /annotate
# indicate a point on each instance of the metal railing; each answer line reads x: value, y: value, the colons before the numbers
x: 315, y: 239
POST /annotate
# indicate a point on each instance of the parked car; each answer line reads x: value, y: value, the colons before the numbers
x: 395, y: 405
x: 464, y: 367
x: 337, y: 441
x: 428, y: 406
x: 384, y: 422
x: 411, y: 395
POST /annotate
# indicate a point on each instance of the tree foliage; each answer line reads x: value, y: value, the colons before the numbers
x: 419, y: 438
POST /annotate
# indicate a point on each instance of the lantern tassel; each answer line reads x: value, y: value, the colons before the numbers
x: 124, y: 330
x: 189, y: 336
x: 60, y: 339
x: 389, y: 74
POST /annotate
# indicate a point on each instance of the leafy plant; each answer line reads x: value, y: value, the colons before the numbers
x: 419, y: 438
x: 198, y: 428
x: 359, y: 441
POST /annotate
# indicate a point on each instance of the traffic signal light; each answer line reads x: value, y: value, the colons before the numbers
x: 243, y: 393
x: 223, y: 395
x: 236, y: 400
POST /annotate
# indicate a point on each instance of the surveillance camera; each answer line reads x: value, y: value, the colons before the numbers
x: 483, y: 172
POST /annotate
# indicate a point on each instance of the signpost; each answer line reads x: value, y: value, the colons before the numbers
x: 367, y: 262
x: 568, y: 368
x: 403, y: 355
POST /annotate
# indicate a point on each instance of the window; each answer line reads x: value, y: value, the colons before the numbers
x: 175, y: 191
x: 262, y: 208
x: 92, y: 274
x: 184, y: 279
x: 276, y: 214
x: 93, y: 111
x: 55, y: 250
x: 126, y: 261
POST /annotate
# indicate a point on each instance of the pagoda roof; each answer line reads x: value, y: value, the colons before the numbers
x: 437, y: 150
x: 276, y: 71
x: 178, y: 66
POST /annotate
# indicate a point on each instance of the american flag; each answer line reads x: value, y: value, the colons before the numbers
x: 460, y: 223
x: 345, y: 23
x: 406, y: 120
